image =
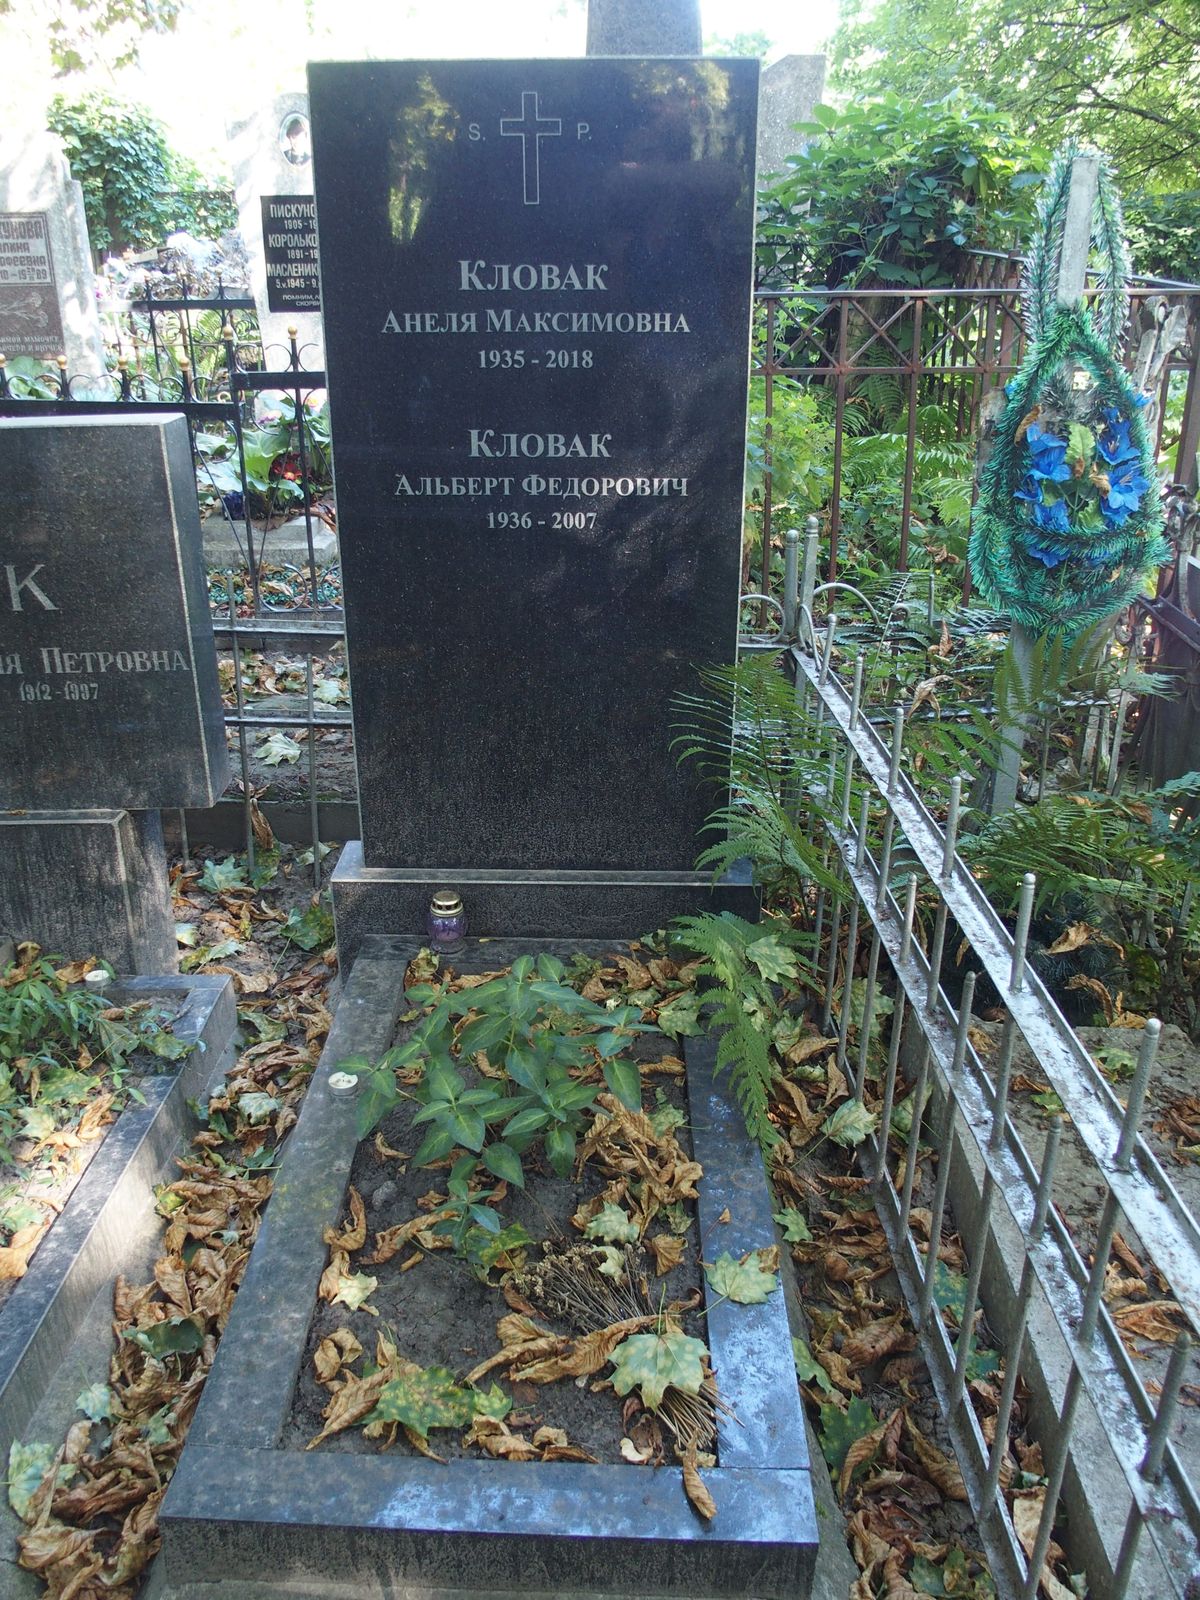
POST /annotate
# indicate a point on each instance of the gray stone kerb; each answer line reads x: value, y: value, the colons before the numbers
x: 85, y: 1248
x: 240, y: 1506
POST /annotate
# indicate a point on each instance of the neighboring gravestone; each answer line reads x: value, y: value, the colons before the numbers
x: 791, y: 90
x: 272, y: 167
x: 643, y: 28
x: 47, y: 287
x: 108, y: 678
x: 537, y: 301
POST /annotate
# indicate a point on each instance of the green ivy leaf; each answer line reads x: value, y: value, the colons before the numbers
x: 256, y: 1106
x: 652, y: 1362
x: 612, y: 1225
x: 27, y: 1466
x: 309, y: 929
x: 743, y: 1281
x: 177, y: 1336
x: 793, y: 1224
x: 219, y: 876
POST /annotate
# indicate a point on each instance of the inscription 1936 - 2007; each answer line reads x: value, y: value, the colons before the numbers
x: 537, y: 292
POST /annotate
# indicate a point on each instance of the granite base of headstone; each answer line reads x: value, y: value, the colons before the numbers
x: 271, y: 156
x: 47, y: 286
x: 89, y: 883
x: 791, y: 90
x: 110, y: 704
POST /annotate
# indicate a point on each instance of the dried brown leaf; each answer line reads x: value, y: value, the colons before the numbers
x: 1151, y: 1321
x: 667, y: 1250
x: 582, y: 1356
x: 877, y: 1340
x: 350, y: 1404
x: 862, y: 1450
x: 694, y: 1486
x: 354, y: 1234
x: 14, y: 1256
x: 941, y: 1471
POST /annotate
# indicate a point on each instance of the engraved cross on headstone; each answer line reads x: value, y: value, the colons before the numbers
x: 531, y: 129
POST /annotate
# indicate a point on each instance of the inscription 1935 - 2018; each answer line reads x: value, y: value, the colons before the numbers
x: 537, y: 286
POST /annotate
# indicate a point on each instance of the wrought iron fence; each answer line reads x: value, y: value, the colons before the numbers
x: 947, y: 348
x: 1114, y: 1447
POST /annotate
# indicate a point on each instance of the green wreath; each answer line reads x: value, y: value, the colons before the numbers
x: 1068, y: 522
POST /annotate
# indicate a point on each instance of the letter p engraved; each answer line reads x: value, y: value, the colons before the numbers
x: 531, y: 129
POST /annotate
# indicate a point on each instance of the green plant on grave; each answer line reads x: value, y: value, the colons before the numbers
x: 742, y: 965
x: 60, y: 1045
x: 538, y: 1037
x: 287, y: 454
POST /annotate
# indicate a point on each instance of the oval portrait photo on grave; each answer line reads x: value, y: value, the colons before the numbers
x: 294, y: 139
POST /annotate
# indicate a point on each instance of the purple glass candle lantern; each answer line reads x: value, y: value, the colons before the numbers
x: 446, y: 922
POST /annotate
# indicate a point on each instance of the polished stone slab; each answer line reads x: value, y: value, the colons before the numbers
x: 109, y: 694
x: 242, y: 1510
x: 89, y: 883
x: 113, y: 1203
x: 536, y: 278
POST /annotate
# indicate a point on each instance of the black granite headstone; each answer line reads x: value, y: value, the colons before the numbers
x: 108, y: 678
x: 289, y: 227
x: 536, y: 278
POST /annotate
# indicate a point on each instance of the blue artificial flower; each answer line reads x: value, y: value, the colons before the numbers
x: 1127, y: 485
x: 1053, y: 517
x: 1048, y: 558
x: 1048, y: 455
x: 1114, y: 444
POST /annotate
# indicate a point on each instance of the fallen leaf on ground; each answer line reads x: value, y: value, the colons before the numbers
x: 354, y: 1234
x: 695, y: 1487
x: 940, y: 1469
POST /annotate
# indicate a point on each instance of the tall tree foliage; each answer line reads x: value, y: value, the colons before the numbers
x: 1124, y: 74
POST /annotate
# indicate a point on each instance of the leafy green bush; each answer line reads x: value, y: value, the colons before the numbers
x: 888, y: 191
x: 1163, y: 231
x: 60, y: 1045
x: 136, y: 189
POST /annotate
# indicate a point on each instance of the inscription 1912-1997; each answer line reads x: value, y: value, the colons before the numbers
x: 537, y: 283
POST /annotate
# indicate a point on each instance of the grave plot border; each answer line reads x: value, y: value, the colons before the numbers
x: 99, y: 1225
x: 240, y: 1506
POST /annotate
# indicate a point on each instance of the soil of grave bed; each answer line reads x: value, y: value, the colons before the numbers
x: 440, y: 1314
x: 49, y: 1184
